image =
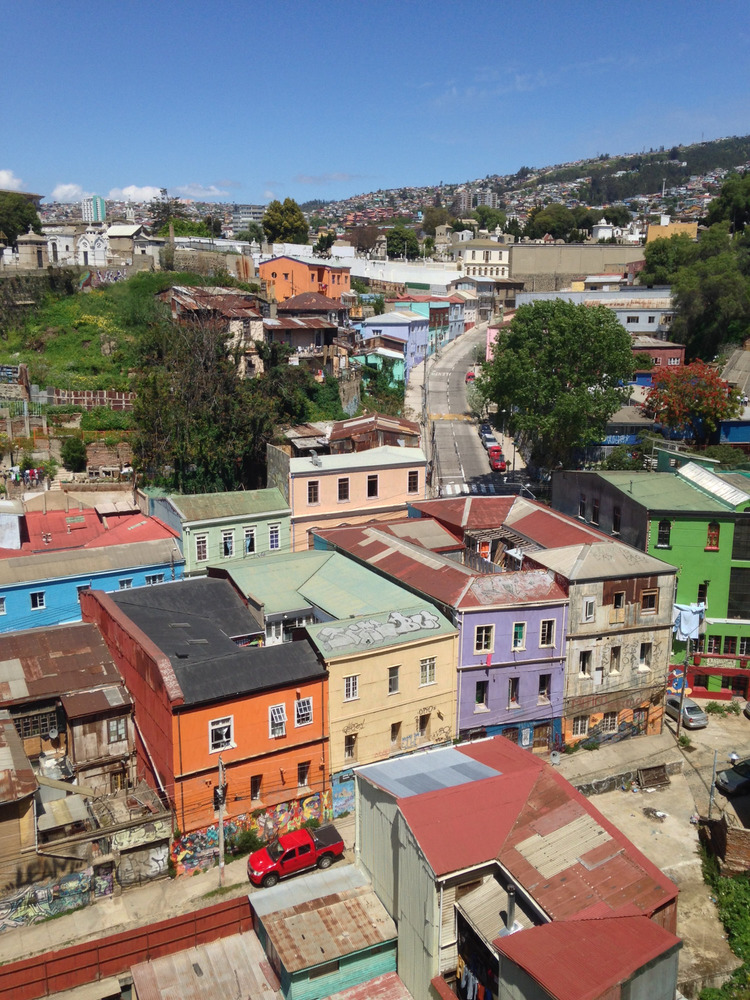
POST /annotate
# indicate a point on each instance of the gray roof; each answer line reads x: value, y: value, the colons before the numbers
x: 193, y: 622
x: 44, y: 566
x: 600, y: 561
x: 413, y: 775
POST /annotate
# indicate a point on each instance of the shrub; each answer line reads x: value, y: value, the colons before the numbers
x: 734, y: 707
x: 73, y: 453
x: 244, y: 842
x: 685, y: 741
x: 714, y: 708
x: 311, y: 824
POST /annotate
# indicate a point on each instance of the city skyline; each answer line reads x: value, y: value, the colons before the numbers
x: 244, y: 103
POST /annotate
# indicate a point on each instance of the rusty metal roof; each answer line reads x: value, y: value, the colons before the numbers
x: 17, y: 779
x: 386, y: 987
x: 373, y: 422
x: 298, y: 323
x: 325, y: 929
x: 46, y: 662
x: 230, y: 303
x: 309, y: 302
x: 99, y: 702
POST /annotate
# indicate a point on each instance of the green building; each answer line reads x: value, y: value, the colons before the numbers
x: 221, y: 529
x: 699, y: 521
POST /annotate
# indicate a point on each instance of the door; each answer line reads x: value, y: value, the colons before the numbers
x: 542, y: 737
x: 511, y: 734
x: 640, y: 719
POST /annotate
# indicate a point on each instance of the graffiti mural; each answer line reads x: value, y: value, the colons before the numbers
x: 199, y: 849
x: 343, y: 793
x: 374, y: 631
x: 39, y: 902
x: 124, y: 840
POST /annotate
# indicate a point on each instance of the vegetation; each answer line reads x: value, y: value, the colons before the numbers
x: 16, y: 215
x: 692, y: 399
x: 73, y: 454
x: 253, y: 234
x: 732, y: 897
x: 558, y: 371
x: 402, y: 242
x: 285, y: 223
x: 379, y: 394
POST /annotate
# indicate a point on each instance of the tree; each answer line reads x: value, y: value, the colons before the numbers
x: 617, y: 215
x: 489, y: 218
x: 73, y: 454
x: 733, y: 203
x: 664, y: 258
x: 285, y: 223
x: 16, y: 215
x: 557, y: 220
x: 214, y: 225
x: 428, y: 246
x: 162, y: 210
x: 253, y: 234
x: 432, y: 217
x: 184, y: 227
x: 692, y: 398
x: 402, y: 242
x: 364, y: 237
x: 558, y: 371
x: 325, y: 242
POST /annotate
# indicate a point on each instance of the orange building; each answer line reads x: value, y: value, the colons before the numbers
x: 290, y: 276
x: 205, y: 691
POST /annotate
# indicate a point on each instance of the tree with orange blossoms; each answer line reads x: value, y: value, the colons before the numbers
x: 691, y: 398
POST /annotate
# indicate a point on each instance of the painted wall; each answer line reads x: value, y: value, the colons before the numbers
x: 290, y: 277
x: 352, y: 970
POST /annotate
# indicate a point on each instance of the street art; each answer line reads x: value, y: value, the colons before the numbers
x: 146, y: 833
x: 199, y: 849
x: 38, y: 902
x: 373, y: 631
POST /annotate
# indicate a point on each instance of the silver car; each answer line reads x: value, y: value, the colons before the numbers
x: 693, y: 716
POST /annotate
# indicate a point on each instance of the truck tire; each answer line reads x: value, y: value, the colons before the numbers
x: 325, y: 861
x: 270, y: 880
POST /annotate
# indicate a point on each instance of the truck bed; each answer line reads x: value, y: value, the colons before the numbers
x: 326, y: 836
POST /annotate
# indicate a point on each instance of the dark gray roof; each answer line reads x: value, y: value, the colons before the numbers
x: 193, y: 622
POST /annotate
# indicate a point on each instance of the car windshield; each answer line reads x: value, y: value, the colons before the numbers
x: 275, y: 850
x: 742, y: 769
x: 693, y: 710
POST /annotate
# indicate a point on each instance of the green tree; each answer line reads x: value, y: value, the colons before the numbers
x: 16, y: 215
x: 73, y: 454
x: 285, y: 223
x: 184, y: 227
x: 428, y: 246
x: 162, y: 210
x: 733, y: 203
x: 325, y: 242
x: 557, y: 220
x: 489, y: 218
x: 214, y: 225
x: 253, y: 233
x: 402, y: 242
x: 432, y: 217
x: 693, y: 398
x: 664, y: 258
x: 558, y: 371
x: 617, y: 215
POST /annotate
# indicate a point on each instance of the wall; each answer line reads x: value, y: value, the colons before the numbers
x: 417, y: 919
x: 277, y: 469
x: 530, y: 261
x: 353, y: 970
x: 89, y: 399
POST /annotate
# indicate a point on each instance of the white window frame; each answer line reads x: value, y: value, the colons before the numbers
x: 427, y: 671
x: 313, y: 490
x: 581, y: 725
x: 551, y: 623
x: 588, y: 610
x: 126, y: 583
x: 201, y: 539
x: 277, y: 721
x: 274, y: 534
x: 248, y: 536
x: 153, y: 578
x: 351, y: 687
x: 515, y: 645
x: 607, y: 720
x: 227, y: 543
x: 394, y: 675
x: 119, y: 727
x: 303, y: 712
x: 214, y: 725
x: 487, y: 643
x: 3, y: 608
x: 38, y: 600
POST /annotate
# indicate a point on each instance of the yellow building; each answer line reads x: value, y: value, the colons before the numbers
x: 391, y: 688
x: 672, y: 229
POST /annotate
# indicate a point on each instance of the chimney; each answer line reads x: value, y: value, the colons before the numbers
x: 511, y: 915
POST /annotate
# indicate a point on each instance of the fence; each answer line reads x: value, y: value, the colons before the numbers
x: 86, y: 963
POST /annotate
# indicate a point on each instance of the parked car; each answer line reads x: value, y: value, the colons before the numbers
x: 490, y: 441
x: 736, y: 779
x: 485, y: 429
x: 746, y: 710
x: 497, y: 463
x: 693, y: 716
x: 294, y: 852
x: 470, y: 376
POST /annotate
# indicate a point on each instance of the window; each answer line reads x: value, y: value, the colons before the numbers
x: 662, y: 537
x: 256, y: 784
x: 372, y: 486
x: 744, y: 645
x: 584, y: 663
x: 741, y: 540
x: 480, y: 695
x: 219, y: 734
x: 547, y: 632
x: 277, y: 720
x: 513, y: 692
x: 609, y: 722
x: 589, y: 609
x: 313, y: 492
x: 427, y: 671
x: 126, y: 584
x: 343, y: 490
x: 201, y: 548
x: 38, y: 724
x: 273, y: 536
x: 116, y: 730
x: 713, y: 644
x: 631, y: 319
x: 249, y: 541
x: 484, y: 638
x: 702, y: 593
x: 618, y: 600
x: 395, y: 735
x: 730, y: 645
x: 3, y: 610
x: 351, y: 688
x: 545, y: 685
x: 37, y: 600
x: 652, y: 319
x: 303, y: 774
x: 582, y: 505
x: 227, y: 544
x: 581, y: 725
x: 424, y: 725
x: 350, y: 747
x: 303, y: 712
x: 649, y: 602
x: 413, y: 481
x: 519, y: 635
x: 673, y: 361
x: 644, y: 660
x: 616, y: 520
x: 393, y: 680
x: 154, y: 578
x: 712, y: 538
x: 595, y: 511
x: 614, y: 659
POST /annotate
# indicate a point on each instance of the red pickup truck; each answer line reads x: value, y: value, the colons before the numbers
x: 294, y: 852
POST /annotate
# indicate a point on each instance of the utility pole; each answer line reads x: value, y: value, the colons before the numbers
x: 684, y: 685
x: 221, y: 797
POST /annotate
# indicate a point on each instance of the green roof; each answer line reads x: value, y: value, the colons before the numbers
x: 366, y: 632
x: 332, y: 582
x: 663, y: 491
x: 240, y: 503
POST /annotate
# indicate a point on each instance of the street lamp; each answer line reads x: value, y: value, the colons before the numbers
x: 503, y: 413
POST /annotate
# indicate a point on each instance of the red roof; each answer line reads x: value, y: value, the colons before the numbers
x: 468, y: 513
x: 553, y: 530
x: 552, y: 953
x: 310, y: 302
x: 84, y: 529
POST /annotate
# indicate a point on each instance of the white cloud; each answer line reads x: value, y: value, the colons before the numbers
x: 9, y: 181
x: 200, y: 191
x: 134, y: 193
x: 69, y: 193
x: 269, y: 195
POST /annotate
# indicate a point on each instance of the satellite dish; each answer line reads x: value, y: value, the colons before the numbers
x: 53, y: 733
x: 554, y: 757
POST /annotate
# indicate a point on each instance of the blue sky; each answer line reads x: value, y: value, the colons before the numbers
x: 246, y: 101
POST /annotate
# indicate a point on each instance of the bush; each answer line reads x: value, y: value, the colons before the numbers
x: 311, y: 824
x: 685, y: 741
x: 714, y: 708
x: 244, y: 842
x: 734, y: 707
x: 73, y: 453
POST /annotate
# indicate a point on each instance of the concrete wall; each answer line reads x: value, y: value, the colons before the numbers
x: 548, y: 267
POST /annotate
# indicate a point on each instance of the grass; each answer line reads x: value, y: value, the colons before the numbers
x: 732, y: 897
x: 223, y: 890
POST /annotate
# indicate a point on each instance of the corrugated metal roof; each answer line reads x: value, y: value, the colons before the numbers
x: 371, y: 423
x: 311, y: 302
x: 328, y: 928
x: 713, y: 485
x: 240, y: 503
x: 87, y: 703
x: 663, y: 491
x: 43, y: 533
x: 56, y: 813
x: 601, y: 561
x: 89, y: 562
x: 417, y: 773
x: 416, y: 623
x: 17, y: 779
x: 298, y: 323
x: 552, y: 954
x: 386, y: 987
